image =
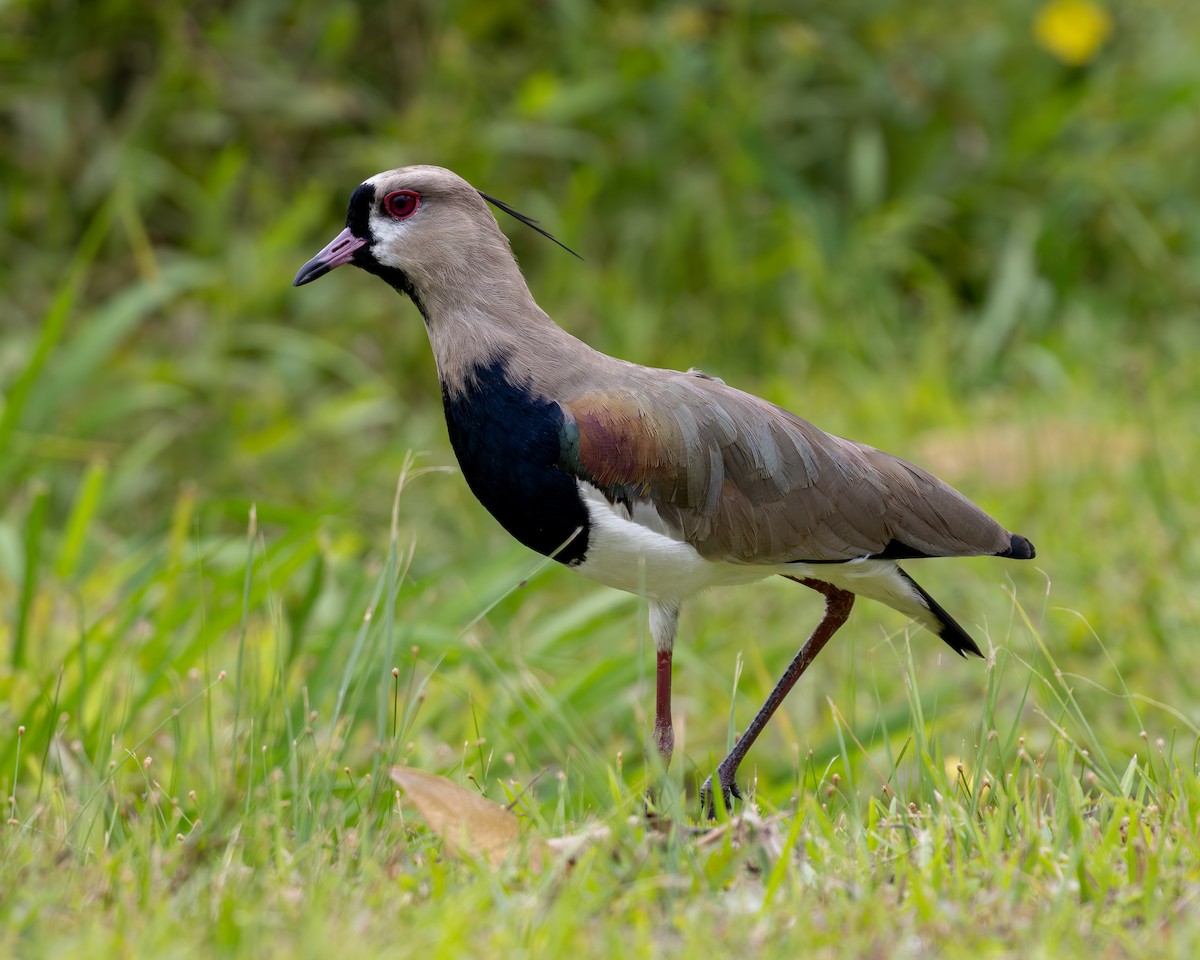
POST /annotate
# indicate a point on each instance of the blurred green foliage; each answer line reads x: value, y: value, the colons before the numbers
x: 893, y: 218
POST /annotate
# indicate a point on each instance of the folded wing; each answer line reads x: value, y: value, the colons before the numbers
x: 745, y: 481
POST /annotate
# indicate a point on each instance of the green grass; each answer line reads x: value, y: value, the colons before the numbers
x: 237, y: 586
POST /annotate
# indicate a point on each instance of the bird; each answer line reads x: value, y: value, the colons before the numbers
x: 658, y: 482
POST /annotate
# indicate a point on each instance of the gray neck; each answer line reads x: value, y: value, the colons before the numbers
x: 471, y: 325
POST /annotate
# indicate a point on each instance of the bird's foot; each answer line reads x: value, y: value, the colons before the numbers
x: 727, y: 778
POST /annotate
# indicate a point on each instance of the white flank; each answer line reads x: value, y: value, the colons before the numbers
x: 635, y: 551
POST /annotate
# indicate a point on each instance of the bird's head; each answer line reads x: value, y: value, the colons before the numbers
x: 424, y: 230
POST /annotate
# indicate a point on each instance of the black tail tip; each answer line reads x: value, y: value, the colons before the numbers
x: 962, y: 646
x: 957, y: 639
x: 1019, y: 549
x: 949, y: 629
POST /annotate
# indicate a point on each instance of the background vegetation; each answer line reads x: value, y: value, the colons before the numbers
x: 966, y: 233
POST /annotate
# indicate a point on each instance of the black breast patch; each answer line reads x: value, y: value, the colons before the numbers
x: 508, y: 444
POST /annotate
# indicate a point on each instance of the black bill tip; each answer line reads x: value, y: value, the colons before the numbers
x: 339, y: 250
x: 313, y: 270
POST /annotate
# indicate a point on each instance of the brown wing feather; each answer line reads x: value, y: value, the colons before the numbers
x: 745, y: 481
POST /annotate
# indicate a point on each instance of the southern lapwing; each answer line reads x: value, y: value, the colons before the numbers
x: 653, y: 481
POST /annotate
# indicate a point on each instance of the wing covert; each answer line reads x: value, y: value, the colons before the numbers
x: 745, y: 481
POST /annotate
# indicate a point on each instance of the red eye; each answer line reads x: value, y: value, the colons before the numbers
x: 402, y: 204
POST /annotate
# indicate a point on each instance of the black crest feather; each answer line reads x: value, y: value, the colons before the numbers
x: 528, y: 221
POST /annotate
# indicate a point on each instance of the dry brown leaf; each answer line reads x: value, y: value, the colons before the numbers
x: 470, y: 825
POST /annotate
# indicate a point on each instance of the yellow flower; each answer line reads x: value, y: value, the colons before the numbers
x: 1072, y: 30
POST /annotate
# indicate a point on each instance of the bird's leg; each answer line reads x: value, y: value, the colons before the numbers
x: 664, y: 731
x: 664, y: 621
x: 837, y: 608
